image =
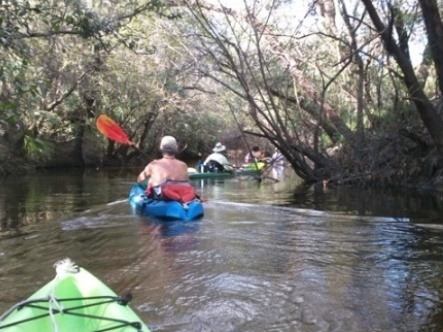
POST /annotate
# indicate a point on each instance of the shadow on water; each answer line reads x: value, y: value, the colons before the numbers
x: 420, y: 207
x: 416, y: 206
x: 274, y: 256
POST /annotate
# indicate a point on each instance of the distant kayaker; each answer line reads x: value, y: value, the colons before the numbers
x: 255, y: 155
x: 277, y: 158
x: 217, y: 161
x: 162, y: 171
x: 277, y: 163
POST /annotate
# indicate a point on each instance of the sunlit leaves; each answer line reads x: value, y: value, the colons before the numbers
x: 38, y: 149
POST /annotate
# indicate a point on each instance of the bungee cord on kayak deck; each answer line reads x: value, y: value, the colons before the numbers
x: 52, y: 307
x: 52, y: 312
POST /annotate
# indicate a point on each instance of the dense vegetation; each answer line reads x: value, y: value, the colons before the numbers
x: 350, y: 92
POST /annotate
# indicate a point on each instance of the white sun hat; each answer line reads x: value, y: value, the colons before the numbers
x: 219, y: 147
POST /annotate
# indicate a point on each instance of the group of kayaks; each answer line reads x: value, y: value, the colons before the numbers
x: 173, y: 210
x: 75, y: 300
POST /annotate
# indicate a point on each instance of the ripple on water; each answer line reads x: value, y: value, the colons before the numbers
x: 245, y: 267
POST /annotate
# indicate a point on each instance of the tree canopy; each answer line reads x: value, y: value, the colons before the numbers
x: 349, y: 92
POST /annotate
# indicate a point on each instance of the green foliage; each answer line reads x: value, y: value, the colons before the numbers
x: 54, y: 66
x: 199, y: 131
x: 158, y: 70
x: 38, y: 149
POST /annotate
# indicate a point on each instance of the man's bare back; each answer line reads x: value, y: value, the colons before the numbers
x: 167, y: 168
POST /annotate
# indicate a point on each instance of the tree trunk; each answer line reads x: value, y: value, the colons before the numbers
x: 427, y: 112
x: 434, y: 29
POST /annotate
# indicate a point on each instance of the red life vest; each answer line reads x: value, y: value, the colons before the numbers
x: 178, y: 192
x: 182, y: 193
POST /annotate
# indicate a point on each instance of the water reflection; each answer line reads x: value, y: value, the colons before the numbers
x: 175, y: 236
x: 53, y: 194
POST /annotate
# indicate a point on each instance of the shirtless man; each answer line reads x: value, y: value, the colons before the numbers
x: 167, y: 168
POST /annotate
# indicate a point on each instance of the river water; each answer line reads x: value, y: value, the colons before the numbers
x: 269, y: 256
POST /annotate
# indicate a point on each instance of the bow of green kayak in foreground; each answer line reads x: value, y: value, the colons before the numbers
x: 74, y: 300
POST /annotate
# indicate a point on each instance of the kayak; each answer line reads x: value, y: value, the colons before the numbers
x: 210, y: 175
x: 74, y: 300
x: 258, y: 166
x: 243, y: 170
x: 165, y: 210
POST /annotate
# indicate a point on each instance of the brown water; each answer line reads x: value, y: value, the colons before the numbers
x: 271, y: 257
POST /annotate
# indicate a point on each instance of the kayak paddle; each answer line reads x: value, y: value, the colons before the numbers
x: 112, y: 130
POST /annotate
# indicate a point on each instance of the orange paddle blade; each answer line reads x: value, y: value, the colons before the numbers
x: 112, y: 130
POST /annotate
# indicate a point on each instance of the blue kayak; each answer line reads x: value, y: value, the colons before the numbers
x: 166, y: 210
